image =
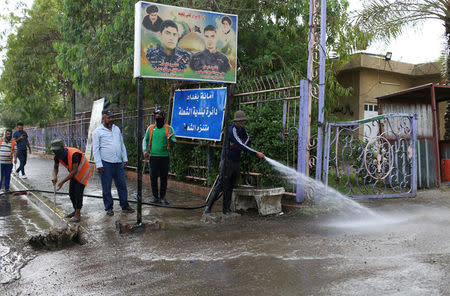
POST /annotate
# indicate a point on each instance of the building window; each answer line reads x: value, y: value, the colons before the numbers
x: 370, y: 107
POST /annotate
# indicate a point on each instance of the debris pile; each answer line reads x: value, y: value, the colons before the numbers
x: 58, y: 238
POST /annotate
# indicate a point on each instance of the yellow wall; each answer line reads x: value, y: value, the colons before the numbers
x: 371, y: 77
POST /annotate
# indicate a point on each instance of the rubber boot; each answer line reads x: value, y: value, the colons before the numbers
x: 209, y: 205
x: 226, y: 203
x: 164, y: 201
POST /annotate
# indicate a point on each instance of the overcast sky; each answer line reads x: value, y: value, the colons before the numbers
x: 6, y: 7
x: 414, y: 46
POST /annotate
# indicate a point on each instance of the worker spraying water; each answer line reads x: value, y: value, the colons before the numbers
x: 225, y: 182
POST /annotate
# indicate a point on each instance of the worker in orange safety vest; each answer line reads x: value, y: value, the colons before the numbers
x: 79, y: 172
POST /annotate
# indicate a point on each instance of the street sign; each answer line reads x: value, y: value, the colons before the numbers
x: 199, y: 113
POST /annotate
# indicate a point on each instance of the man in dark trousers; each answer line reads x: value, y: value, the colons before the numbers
x: 21, y: 138
x: 156, y: 143
x: 226, y: 181
x: 110, y: 155
x: 79, y: 172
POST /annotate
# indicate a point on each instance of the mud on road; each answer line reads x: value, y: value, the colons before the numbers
x: 293, y: 254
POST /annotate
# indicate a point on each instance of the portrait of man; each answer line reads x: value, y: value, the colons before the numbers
x: 168, y: 56
x: 210, y: 58
x: 226, y: 36
x: 152, y: 21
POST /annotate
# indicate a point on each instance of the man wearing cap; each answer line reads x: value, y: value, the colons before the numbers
x: 110, y: 157
x: 79, y: 172
x: 226, y: 181
x: 156, y: 143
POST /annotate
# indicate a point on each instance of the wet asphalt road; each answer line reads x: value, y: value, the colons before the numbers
x: 293, y: 254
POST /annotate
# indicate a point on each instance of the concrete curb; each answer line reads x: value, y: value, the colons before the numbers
x: 53, y: 213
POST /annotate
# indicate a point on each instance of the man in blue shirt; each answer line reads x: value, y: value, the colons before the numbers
x: 238, y: 138
x: 21, y: 138
x: 110, y: 157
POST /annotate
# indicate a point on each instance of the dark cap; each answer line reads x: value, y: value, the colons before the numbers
x: 57, y: 145
x: 108, y: 113
x: 151, y: 9
x: 160, y: 112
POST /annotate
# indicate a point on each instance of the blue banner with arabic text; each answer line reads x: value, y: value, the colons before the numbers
x: 198, y: 113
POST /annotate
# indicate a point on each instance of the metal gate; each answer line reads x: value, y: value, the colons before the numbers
x: 372, y: 158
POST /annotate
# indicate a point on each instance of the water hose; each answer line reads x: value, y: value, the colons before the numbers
x: 25, y: 192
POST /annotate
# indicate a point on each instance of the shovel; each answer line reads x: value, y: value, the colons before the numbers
x: 54, y: 195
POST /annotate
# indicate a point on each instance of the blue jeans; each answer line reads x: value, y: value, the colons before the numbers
x: 6, y: 169
x: 116, y: 172
x: 22, y: 156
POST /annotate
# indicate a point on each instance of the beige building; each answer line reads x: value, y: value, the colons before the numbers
x: 371, y: 76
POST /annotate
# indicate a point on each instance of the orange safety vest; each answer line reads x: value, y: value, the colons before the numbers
x: 150, y: 132
x: 13, y: 144
x: 84, y: 169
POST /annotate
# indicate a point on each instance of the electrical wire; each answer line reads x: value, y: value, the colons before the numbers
x: 25, y: 192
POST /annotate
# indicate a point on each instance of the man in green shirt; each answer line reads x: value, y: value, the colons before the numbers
x: 156, y: 143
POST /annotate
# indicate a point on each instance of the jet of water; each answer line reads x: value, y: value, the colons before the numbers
x: 321, y: 193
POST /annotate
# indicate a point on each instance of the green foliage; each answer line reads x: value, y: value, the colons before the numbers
x: 180, y: 159
x: 130, y: 145
x: 92, y: 43
x: 33, y: 89
x: 265, y: 130
x: 386, y: 19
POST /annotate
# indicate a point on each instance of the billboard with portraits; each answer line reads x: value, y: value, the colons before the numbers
x: 182, y: 43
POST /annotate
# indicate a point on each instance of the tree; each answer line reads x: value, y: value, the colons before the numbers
x: 32, y: 85
x: 92, y: 43
x: 387, y: 19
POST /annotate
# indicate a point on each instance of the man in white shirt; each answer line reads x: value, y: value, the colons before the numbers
x: 110, y: 157
x: 8, y: 151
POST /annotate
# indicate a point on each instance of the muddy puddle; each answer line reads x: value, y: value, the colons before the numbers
x: 19, y: 220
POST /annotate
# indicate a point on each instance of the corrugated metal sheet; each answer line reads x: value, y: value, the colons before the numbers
x: 423, y: 111
x: 426, y: 167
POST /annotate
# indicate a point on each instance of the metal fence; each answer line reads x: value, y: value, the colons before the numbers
x: 372, y: 158
x: 277, y: 89
x: 75, y: 132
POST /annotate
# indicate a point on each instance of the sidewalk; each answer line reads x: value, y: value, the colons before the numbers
x: 93, y: 216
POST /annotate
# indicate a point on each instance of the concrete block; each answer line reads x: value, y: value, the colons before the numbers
x: 267, y: 201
